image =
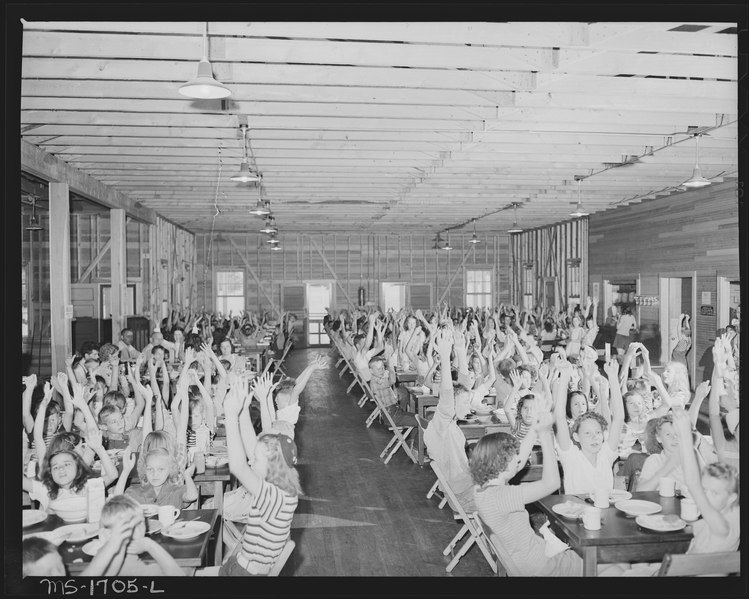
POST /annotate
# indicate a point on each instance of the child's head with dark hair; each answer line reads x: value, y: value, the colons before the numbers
x: 505, y: 367
x: 41, y: 558
x: 116, y: 399
x: 90, y: 349
x: 108, y: 350
x: 526, y: 408
x: 493, y: 455
x: 111, y: 417
x: 64, y: 469
x: 577, y: 404
x: 66, y: 441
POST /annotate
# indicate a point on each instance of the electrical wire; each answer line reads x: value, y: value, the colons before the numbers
x: 213, y: 222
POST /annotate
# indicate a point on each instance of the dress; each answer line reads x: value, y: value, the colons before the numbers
x: 501, y: 507
x: 623, y: 327
x: 580, y: 476
x: 170, y: 494
x: 574, y: 341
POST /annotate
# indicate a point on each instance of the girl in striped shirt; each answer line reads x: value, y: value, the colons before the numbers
x: 271, y: 484
x: 526, y: 413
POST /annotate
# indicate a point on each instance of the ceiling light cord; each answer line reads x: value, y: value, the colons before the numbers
x: 215, y: 205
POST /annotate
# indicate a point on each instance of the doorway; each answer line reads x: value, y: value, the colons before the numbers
x: 318, y: 297
x: 729, y: 298
x: 677, y: 296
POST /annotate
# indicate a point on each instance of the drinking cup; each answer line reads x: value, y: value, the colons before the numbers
x: 592, y: 518
x: 168, y: 514
x: 601, y: 498
x: 667, y: 487
x: 689, y: 510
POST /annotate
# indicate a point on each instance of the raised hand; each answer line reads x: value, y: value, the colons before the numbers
x: 128, y: 460
x: 544, y: 370
x: 320, y: 362
x: 69, y: 361
x: 94, y: 439
x: 543, y: 421
x: 702, y: 390
x: 235, y: 398
x: 654, y: 379
x: 611, y: 368
x: 62, y: 380
x: 682, y: 423
x: 515, y: 378
x: 29, y: 382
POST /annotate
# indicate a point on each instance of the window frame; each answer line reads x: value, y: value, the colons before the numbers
x: 487, y: 268
x: 216, y: 295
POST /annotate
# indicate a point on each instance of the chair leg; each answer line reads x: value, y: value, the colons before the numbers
x: 463, y: 550
x: 461, y: 533
x: 373, y: 416
x: 351, y: 386
x: 388, y: 446
x: 434, y: 488
x: 487, y: 553
x: 362, y: 401
x: 442, y: 503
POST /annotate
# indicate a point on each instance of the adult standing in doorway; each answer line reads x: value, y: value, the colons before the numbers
x: 127, y: 352
x: 625, y: 328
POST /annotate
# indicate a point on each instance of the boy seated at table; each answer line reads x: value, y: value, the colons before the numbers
x: 42, y: 558
x: 120, y: 510
x: 382, y: 387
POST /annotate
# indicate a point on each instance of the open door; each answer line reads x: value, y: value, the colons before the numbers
x: 318, y: 297
x: 678, y: 296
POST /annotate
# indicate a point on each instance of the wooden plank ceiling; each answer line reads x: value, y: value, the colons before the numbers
x: 385, y: 127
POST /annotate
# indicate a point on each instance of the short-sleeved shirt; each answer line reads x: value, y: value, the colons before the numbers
x: 362, y: 366
x: 654, y: 463
x: 382, y: 389
x: 268, y: 527
x: 77, y: 502
x: 626, y: 322
x: 283, y: 427
x: 501, y: 507
x: 127, y: 352
x: 705, y: 541
x: 582, y: 477
x: 170, y: 494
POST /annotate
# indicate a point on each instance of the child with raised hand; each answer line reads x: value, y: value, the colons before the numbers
x: 495, y: 460
x: 666, y: 463
x: 65, y: 475
x: 120, y: 515
x: 271, y: 483
x: 587, y: 454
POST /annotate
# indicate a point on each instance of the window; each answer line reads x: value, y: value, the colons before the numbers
x: 528, y: 284
x: 479, y: 288
x: 229, y: 291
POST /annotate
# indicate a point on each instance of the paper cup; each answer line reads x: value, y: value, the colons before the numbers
x: 601, y: 498
x: 689, y: 510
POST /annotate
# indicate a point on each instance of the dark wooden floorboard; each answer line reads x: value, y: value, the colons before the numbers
x: 358, y: 516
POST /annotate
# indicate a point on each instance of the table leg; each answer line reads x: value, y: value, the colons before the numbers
x: 218, y: 503
x: 420, y: 457
x: 590, y: 561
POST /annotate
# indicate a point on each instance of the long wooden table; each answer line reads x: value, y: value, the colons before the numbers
x: 620, y: 539
x: 213, y: 482
x: 189, y: 554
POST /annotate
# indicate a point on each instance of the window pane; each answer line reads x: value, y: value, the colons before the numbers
x: 230, y: 282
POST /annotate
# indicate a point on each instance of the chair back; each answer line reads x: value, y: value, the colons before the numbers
x: 700, y: 564
x: 449, y: 493
x: 503, y: 557
x: 282, y: 558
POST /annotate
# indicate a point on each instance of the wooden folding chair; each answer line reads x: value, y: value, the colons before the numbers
x: 276, y: 363
x: 282, y: 558
x: 436, y: 486
x: 469, y: 526
x: 505, y: 566
x: 400, y: 435
x: 701, y: 564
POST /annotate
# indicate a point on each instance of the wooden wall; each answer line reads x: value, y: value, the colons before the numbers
x: 353, y: 260
x: 687, y: 232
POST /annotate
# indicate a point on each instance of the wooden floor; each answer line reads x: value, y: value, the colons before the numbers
x: 358, y: 516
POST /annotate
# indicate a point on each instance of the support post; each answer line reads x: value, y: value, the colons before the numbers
x: 119, y: 271
x: 59, y: 271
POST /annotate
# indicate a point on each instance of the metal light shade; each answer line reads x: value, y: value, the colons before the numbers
x: 273, y: 240
x: 579, y: 211
x: 245, y: 174
x: 514, y: 228
x: 261, y: 209
x: 204, y: 86
x: 269, y: 229
x: 276, y: 248
x: 697, y: 180
x: 474, y: 239
x: 34, y: 224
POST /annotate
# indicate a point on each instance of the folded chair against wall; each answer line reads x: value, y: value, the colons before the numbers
x: 701, y: 564
x: 469, y: 527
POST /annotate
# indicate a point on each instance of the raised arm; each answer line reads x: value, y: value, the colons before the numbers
x: 238, y: 466
x: 41, y: 413
x: 550, y: 473
x: 262, y: 389
x: 28, y: 419
x: 559, y: 392
x: 108, y: 469
x: 318, y: 363
x: 611, y: 369
x: 60, y: 384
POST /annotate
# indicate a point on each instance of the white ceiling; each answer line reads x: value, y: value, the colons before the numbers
x: 385, y: 127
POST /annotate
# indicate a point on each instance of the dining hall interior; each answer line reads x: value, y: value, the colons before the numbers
x: 355, y: 298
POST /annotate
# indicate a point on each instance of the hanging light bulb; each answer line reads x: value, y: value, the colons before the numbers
x: 204, y: 86
x: 474, y: 239
x: 270, y: 226
x: 514, y: 228
x: 277, y: 247
x: 697, y: 179
x: 579, y: 210
x: 34, y: 224
x: 447, y: 247
x: 437, y: 242
x: 273, y: 239
x: 245, y: 175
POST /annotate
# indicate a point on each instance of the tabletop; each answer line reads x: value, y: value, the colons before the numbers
x: 189, y: 553
x: 220, y: 473
x: 620, y: 538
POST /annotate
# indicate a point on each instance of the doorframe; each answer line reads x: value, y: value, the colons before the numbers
x: 722, y: 299
x: 331, y: 283
x: 665, y: 330
x: 406, y: 299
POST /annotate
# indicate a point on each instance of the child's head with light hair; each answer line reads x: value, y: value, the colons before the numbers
x: 120, y: 509
x: 721, y: 484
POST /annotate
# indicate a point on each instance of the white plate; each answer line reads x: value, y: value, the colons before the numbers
x: 149, y: 509
x: 75, y: 533
x: 569, y: 509
x: 49, y: 535
x: 658, y: 523
x: 638, y: 507
x: 186, y: 530
x: 31, y: 517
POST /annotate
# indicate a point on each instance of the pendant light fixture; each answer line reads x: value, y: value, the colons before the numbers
x: 474, y: 239
x: 270, y: 226
x: 273, y: 239
x: 697, y: 179
x: 245, y: 175
x: 262, y: 208
x: 447, y: 247
x: 204, y: 86
x: 579, y: 210
x: 437, y: 242
x: 276, y: 248
x: 514, y: 228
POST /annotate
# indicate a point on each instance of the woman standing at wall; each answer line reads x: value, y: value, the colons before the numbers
x: 625, y: 327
